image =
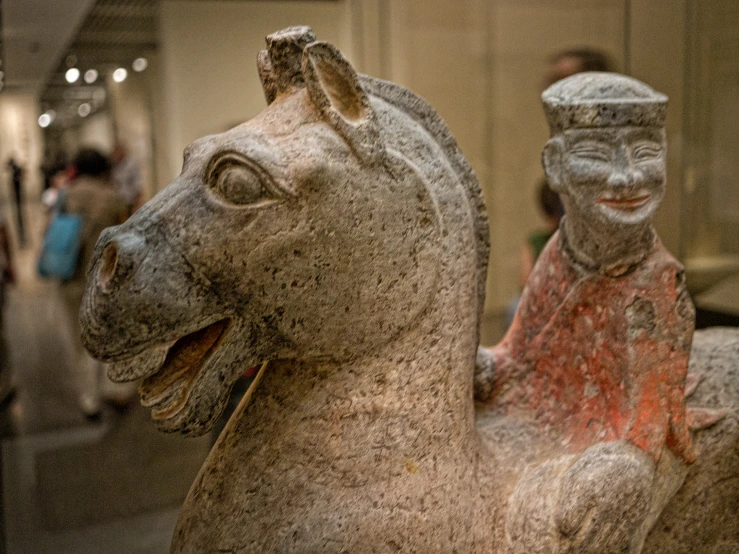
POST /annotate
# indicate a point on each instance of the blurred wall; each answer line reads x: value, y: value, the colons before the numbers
x: 21, y: 138
x: 208, y: 62
x: 96, y: 131
x: 711, y: 158
x: 480, y: 63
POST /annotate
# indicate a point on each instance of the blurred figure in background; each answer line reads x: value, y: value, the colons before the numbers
x: 92, y: 196
x: 58, y: 179
x: 553, y: 210
x: 7, y: 277
x: 127, y: 178
x: 577, y: 60
x: 16, y: 179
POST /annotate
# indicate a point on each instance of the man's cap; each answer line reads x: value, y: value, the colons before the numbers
x: 601, y: 99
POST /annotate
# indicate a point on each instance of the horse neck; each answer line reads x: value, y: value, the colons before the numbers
x: 410, y: 397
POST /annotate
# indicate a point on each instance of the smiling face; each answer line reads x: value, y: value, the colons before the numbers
x: 612, y: 176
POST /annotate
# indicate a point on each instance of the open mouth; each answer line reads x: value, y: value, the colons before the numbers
x: 631, y: 203
x: 167, y: 391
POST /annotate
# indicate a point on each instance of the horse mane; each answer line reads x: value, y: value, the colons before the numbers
x: 421, y: 112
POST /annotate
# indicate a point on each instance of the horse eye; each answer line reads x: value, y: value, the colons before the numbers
x: 240, y: 184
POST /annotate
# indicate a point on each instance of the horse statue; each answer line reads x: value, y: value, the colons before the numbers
x: 339, y: 242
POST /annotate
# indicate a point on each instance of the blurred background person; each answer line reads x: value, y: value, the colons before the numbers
x: 7, y: 276
x: 58, y: 179
x: 552, y: 209
x: 127, y: 178
x: 568, y: 62
x: 92, y: 196
x: 16, y: 180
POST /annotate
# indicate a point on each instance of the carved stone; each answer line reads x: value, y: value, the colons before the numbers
x: 598, y: 351
x: 341, y: 237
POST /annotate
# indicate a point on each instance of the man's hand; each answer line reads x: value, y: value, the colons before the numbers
x: 604, y: 497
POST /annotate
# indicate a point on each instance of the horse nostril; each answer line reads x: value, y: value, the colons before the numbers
x: 108, y: 266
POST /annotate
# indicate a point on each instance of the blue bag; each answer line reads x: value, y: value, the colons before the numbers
x: 61, y: 249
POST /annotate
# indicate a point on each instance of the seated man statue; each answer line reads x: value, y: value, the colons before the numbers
x: 598, y: 350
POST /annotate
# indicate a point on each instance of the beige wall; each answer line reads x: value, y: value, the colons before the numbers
x: 480, y: 63
x: 658, y: 55
x: 711, y: 160
x: 96, y: 131
x: 20, y: 137
x: 208, y: 60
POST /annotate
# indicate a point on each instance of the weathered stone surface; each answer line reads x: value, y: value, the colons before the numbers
x: 341, y: 237
x: 703, y: 517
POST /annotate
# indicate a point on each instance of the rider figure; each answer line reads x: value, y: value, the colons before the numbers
x: 598, y: 349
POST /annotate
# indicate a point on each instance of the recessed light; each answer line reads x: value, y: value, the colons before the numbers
x: 72, y: 75
x: 91, y: 75
x: 139, y: 64
x: 119, y: 75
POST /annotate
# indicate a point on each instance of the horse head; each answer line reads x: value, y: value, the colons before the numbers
x: 297, y: 235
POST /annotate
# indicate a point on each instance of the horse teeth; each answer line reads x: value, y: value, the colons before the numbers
x: 141, y: 366
x: 150, y: 399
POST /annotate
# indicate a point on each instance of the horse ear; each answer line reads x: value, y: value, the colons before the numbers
x: 334, y: 88
x: 264, y: 65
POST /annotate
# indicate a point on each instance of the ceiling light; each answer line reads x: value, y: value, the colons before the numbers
x: 119, y: 75
x: 72, y: 75
x: 139, y: 64
x: 44, y: 120
x: 84, y: 110
x: 91, y: 75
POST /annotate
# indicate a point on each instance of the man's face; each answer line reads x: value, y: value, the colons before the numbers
x: 614, y: 175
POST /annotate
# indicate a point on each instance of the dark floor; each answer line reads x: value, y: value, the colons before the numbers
x: 68, y: 485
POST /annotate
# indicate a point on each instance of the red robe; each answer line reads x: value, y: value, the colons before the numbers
x: 601, y: 355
